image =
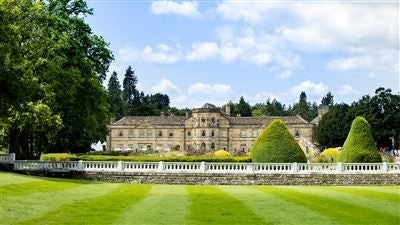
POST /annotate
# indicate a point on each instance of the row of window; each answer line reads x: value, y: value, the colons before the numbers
x: 146, y: 133
x: 170, y: 133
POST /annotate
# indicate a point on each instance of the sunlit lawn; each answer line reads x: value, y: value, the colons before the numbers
x: 35, y: 200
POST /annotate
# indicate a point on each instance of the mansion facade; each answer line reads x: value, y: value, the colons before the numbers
x: 206, y: 128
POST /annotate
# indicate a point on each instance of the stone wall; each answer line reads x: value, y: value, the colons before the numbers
x: 238, y: 179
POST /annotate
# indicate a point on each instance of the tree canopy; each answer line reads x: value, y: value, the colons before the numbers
x: 52, y: 71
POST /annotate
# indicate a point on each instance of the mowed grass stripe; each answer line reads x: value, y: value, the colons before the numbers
x: 387, y: 192
x: 273, y: 209
x: 387, y: 203
x: 104, y: 209
x: 165, y: 204
x: 13, y: 178
x: 339, y: 211
x: 211, y: 205
x: 25, y: 207
x: 33, y: 187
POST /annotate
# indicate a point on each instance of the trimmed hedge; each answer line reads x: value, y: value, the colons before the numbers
x: 276, y: 145
x: 359, y: 146
x: 222, y: 153
x: 329, y: 155
x: 144, y: 158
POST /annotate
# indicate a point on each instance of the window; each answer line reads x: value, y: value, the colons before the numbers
x: 130, y: 147
x: 170, y: 133
x: 149, y: 133
x: 203, y: 120
x: 242, y: 133
x: 212, y: 146
x: 212, y: 133
x: 255, y: 133
x: 130, y: 133
x: 120, y: 147
x: 120, y: 133
x: 188, y: 133
x: 160, y: 133
x: 141, y: 133
x: 203, y: 146
x: 203, y: 133
x: 297, y: 134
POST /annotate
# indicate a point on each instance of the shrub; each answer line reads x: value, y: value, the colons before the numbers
x: 329, y: 155
x: 359, y: 146
x: 142, y: 158
x: 276, y: 144
x: 222, y: 153
x: 56, y: 157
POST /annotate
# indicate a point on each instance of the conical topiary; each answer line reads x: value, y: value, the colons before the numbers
x: 359, y: 146
x: 276, y: 144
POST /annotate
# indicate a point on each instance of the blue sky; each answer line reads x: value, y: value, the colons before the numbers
x: 216, y: 51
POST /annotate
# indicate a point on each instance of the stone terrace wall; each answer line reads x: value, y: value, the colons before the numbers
x: 243, y: 179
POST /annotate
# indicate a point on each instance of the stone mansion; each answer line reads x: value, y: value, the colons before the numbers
x: 206, y: 128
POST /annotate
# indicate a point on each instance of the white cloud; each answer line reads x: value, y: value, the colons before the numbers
x: 313, y: 90
x: 184, y: 8
x: 165, y: 86
x: 320, y: 26
x: 346, y: 90
x: 208, y: 89
x: 284, y: 75
x: 163, y: 54
x: 203, y: 51
x: 350, y: 63
x: 251, y: 12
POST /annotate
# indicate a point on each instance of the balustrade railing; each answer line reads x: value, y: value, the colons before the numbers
x: 202, y: 167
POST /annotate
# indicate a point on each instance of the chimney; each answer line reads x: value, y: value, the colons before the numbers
x: 162, y: 113
x: 228, y: 109
x: 112, y: 120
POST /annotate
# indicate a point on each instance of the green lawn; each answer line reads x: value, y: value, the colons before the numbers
x: 36, y: 200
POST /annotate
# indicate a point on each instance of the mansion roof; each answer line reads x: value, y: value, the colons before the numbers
x: 180, y: 120
x: 155, y: 120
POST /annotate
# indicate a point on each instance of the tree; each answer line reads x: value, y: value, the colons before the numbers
x: 57, y: 66
x: 115, y: 97
x: 327, y: 99
x: 359, y: 146
x: 302, y: 107
x: 276, y: 145
x: 382, y: 112
x: 130, y: 94
x: 243, y: 108
x: 334, y: 126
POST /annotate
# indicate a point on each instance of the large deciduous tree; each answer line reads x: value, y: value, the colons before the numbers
x: 52, y: 68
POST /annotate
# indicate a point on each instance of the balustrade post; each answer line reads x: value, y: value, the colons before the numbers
x: 295, y: 168
x: 119, y: 166
x: 339, y: 167
x: 160, y: 166
x: 44, y: 166
x: 250, y: 168
x: 80, y: 166
x: 384, y: 167
x: 12, y: 157
x: 203, y: 167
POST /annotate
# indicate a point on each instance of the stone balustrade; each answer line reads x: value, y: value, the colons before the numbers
x: 205, y: 167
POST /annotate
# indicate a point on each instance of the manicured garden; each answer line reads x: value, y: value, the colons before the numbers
x: 37, y: 200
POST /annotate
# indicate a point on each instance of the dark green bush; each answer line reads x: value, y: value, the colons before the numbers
x: 276, y: 145
x: 359, y: 146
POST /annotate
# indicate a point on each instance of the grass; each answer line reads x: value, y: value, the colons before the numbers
x: 36, y: 200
